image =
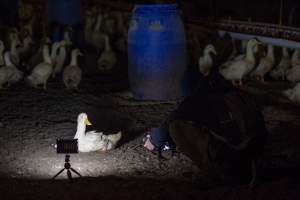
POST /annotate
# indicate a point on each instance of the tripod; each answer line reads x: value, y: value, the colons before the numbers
x: 68, y: 167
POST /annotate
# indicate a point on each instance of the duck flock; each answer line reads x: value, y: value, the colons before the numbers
x: 35, y: 61
x: 245, y: 62
x: 24, y: 57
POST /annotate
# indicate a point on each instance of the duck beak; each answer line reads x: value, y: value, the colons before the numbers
x: 87, y: 122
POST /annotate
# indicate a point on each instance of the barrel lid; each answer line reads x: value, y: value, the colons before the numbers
x: 155, y: 7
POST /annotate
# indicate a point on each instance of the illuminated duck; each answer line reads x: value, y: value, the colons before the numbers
x: 205, y: 61
x: 92, y: 140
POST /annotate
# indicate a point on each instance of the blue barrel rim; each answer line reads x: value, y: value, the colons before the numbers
x: 166, y: 7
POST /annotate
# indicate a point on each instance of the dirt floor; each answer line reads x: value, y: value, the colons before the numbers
x: 31, y: 120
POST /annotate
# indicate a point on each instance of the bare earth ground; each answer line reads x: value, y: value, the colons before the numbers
x: 32, y: 120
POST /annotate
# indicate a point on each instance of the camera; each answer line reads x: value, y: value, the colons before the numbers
x: 67, y: 146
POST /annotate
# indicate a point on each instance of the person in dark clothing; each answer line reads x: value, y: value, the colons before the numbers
x: 221, y: 129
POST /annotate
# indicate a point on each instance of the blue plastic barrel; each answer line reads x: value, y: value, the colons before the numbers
x: 156, y: 52
x: 64, y: 11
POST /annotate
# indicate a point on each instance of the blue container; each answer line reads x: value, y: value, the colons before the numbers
x: 64, y: 11
x: 156, y: 52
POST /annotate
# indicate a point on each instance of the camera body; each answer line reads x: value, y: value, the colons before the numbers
x: 67, y: 146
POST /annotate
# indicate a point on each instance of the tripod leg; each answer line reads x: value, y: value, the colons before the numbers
x: 76, y: 172
x: 69, y: 175
x: 58, y: 173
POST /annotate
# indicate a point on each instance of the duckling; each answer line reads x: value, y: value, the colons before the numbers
x: 280, y: 71
x: 295, y: 58
x: 235, y: 70
x: 205, y: 61
x: 72, y: 73
x: 42, y: 71
x: 92, y: 140
x: 293, y: 94
x: 107, y: 59
x: 2, y: 47
x: 265, y: 65
x: 60, y: 59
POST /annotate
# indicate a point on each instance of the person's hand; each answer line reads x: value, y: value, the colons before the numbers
x: 149, y: 145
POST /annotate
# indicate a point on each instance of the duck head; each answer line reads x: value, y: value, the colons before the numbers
x: 83, y: 119
x: 210, y: 49
x: 78, y: 52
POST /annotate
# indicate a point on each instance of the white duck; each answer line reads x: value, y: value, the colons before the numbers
x: 41, y: 73
x: 295, y: 58
x: 285, y: 63
x: 92, y: 140
x: 17, y: 74
x: 107, y: 59
x: 121, y: 42
x: 293, y: 74
x: 72, y: 73
x: 235, y: 70
x: 234, y: 50
x: 265, y: 64
x: 6, y: 72
x: 293, y: 94
x: 97, y: 35
x: 2, y: 47
x: 88, y: 28
x: 54, y: 48
x: 13, y: 51
x: 205, y: 61
x: 67, y: 37
x: 60, y: 59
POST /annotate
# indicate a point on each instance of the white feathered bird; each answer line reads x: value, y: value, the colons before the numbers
x: 2, y: 47
x: 265, y: 64
x: 107, y: 59
x: 285, y: 63
x: 205, y: 61
x: 41, y: 73
x: 92, y: 140
x: 293, y: 94
x: 60, y: 59
x: 293, y: 74
x: 72, y: 73
x: 295, y: 60
x: 6, y: 72
x: 236, y: 69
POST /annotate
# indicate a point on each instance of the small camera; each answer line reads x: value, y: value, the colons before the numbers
x: 67, y: 146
